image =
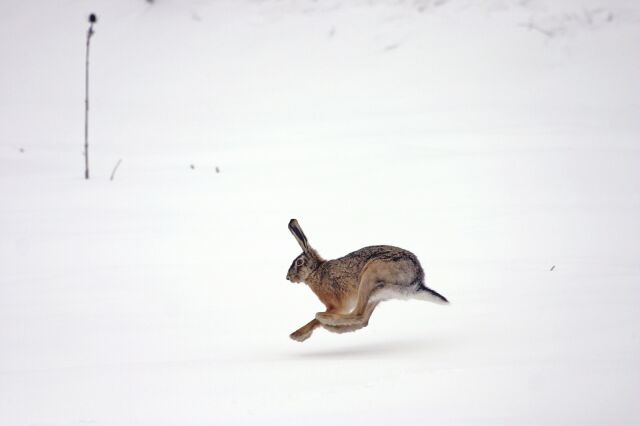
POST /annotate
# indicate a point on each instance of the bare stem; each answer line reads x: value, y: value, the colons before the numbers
x: 86, y: 106
x: 113, y: 173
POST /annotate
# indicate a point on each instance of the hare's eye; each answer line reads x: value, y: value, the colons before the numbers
x: 299, y: 262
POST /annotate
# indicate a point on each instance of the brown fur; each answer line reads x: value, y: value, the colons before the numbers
x: 352, y: 286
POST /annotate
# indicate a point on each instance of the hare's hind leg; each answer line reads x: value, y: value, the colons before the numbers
x: 359, y: 316
x: 353, y: 327
x: 380, y: 281
x: 304, y: 332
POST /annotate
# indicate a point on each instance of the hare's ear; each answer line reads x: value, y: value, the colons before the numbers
x: 299, y: 235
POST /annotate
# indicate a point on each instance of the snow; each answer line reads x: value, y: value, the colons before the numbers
x: 497, y: 140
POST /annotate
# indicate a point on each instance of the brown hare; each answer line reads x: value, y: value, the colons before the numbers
x: 352, y: 286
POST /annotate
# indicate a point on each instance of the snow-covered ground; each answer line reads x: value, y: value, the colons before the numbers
x: 498, y: 140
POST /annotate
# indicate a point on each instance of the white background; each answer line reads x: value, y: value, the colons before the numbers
x: 495, y: 139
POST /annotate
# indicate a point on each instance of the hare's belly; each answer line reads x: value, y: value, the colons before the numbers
x: 389, y: 292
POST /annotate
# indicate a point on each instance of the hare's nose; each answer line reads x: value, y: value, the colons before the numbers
x: 288, y: 278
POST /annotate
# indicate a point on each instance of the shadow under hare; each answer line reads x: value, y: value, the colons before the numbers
x: 352, y: 286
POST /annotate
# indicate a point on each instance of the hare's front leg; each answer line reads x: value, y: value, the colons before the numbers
x: 304, y: 332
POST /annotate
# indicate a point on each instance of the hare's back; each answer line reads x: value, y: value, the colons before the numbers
x: 384, y: 263
x: 390, y: 264
x: 385, y: 253
x: 359, y: 260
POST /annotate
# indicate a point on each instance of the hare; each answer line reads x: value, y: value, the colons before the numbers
x: 352, y: 286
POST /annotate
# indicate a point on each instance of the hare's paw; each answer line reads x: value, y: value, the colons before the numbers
x: 343, y: 328
x: 301, y: 335
x: 336, y: 319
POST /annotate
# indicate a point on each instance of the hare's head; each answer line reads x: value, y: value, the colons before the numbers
x: 307, y: 262
x: 301, y: 267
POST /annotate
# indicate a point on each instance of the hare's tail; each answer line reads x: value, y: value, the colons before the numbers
x: 425, y: 293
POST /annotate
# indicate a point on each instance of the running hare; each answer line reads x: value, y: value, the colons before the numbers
x: 351, y: 287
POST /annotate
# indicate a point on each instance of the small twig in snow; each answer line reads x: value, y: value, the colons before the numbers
x: 113, y: 173
x: 531, y: 26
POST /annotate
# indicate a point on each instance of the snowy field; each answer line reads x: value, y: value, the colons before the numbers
x: 498, y: 140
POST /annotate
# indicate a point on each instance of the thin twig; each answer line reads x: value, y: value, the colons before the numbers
x: 113, y: 173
